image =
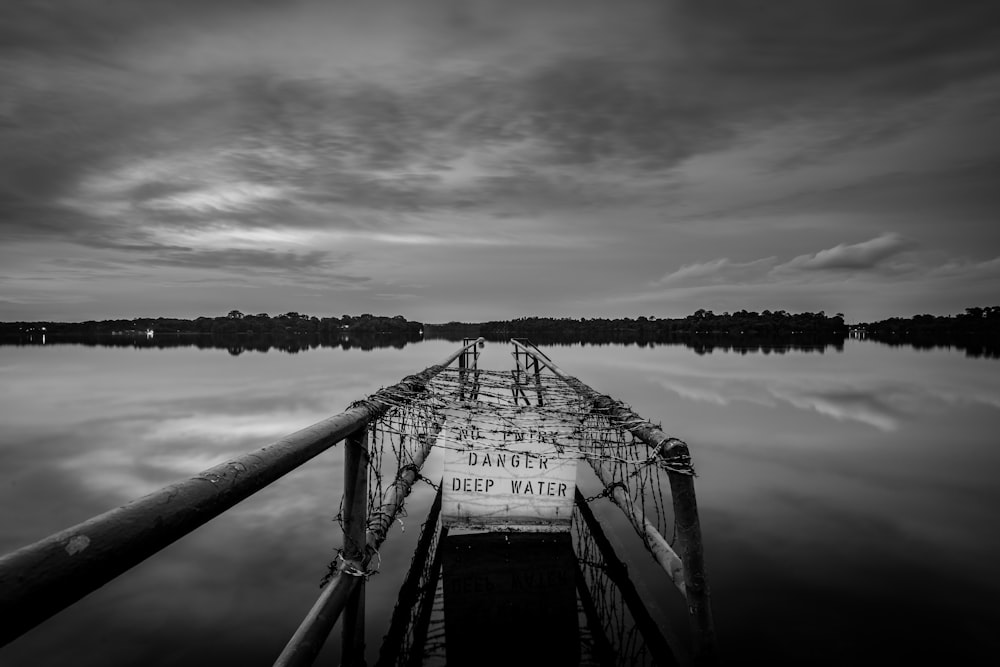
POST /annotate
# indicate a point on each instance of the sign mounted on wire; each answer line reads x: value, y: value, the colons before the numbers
x: 521, y: 476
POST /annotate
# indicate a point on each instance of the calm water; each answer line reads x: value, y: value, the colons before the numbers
x: 848, y: 499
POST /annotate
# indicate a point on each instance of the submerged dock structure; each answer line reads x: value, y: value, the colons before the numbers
x: 510, y: 541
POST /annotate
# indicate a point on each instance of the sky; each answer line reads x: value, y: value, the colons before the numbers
x: 471, y: 160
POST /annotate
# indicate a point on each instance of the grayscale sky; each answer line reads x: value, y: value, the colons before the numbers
x: 468, y: 160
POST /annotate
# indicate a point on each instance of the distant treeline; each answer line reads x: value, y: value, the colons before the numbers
x: 234, y: 344
x: 233, y: 324
x: 977, y: 331
x: 742, y: 325
x: 291, y: 332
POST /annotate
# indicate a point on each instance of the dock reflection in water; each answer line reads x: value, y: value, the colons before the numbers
x: 517, y: 598
x: 510, y: 598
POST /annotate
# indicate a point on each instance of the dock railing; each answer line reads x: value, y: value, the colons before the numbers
x: 41, y: 579
x: 687, y: 569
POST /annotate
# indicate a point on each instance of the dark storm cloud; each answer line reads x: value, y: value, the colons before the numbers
x: 589, y: 110
x: 891, y: 47
x: 58, y: 138
x: 336, y: 119
x: 571, y: 113
x: 240, y: 258
x: 742, y: 63
x: 924, y: 196
x: 93, y: 28
x: 208, y: 266
x: 315, y: 268
x: 851, y: 133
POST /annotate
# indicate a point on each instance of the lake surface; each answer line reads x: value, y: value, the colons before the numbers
x: 848, y: 498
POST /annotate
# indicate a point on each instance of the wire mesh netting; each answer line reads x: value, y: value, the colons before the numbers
x: 504, y: 411
x: 468, y: 408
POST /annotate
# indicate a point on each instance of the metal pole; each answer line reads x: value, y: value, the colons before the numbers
x: 355, y: 521
x: 310, y: 636
x: 695, y: 588
x: 43, y: 578
x: 658, y: 546
x: 538, y: 383
x: 407, y: 596
x: 305, y: 644
x: 618, y: 573
x: 352, y: 652
x: 696, y: 582
x: 394, y: 497
x: 604, y: 654
x: 427, y: 606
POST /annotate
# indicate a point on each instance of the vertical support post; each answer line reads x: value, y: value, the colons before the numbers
x: 355, y: 522
x: 461, y: 371
x: 618, y: 573
x: 352, y: 652
x: 688, y: 529
x: 423, y: 619
x: 474, y: 393
x: 538, y: 382
x: 469, y: 354
x: 409, y: 592
x: 466, y: 361
x: 686, y: 522
x: 602, y: 647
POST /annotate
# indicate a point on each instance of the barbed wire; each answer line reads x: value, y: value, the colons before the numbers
x: 538, y: 416
x: 531, y: 415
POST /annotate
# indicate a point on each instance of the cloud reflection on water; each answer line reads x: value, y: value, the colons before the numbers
x: 824, y: 491
x: 830, y: 484
x: 83, y: 431
x: 842, y: 402
x: 880, y: 400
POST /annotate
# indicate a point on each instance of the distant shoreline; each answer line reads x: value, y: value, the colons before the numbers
x: 977, y: 331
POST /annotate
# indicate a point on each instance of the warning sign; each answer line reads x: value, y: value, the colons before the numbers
x: 527, y: 484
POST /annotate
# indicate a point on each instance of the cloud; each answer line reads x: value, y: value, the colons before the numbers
x: 240, y: 258
x: 908, y: 46
x: 376, y: 126
x: 345, y: 140
x: 715, y: 272
x: 863, y: 256
x: 965, y: 268
x: 887, y: 275
x: 866, y: 255
x: 231, y: 198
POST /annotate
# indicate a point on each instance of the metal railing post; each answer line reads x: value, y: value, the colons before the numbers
x: 687, y: 570
x: 688, y: 528
x: 423, y: 619
x: 356, y: 459
x: 304, y: 645
x: 43, y: 578
x: 618, y: 573
x: 538, y: 383
x: 409, y: 592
